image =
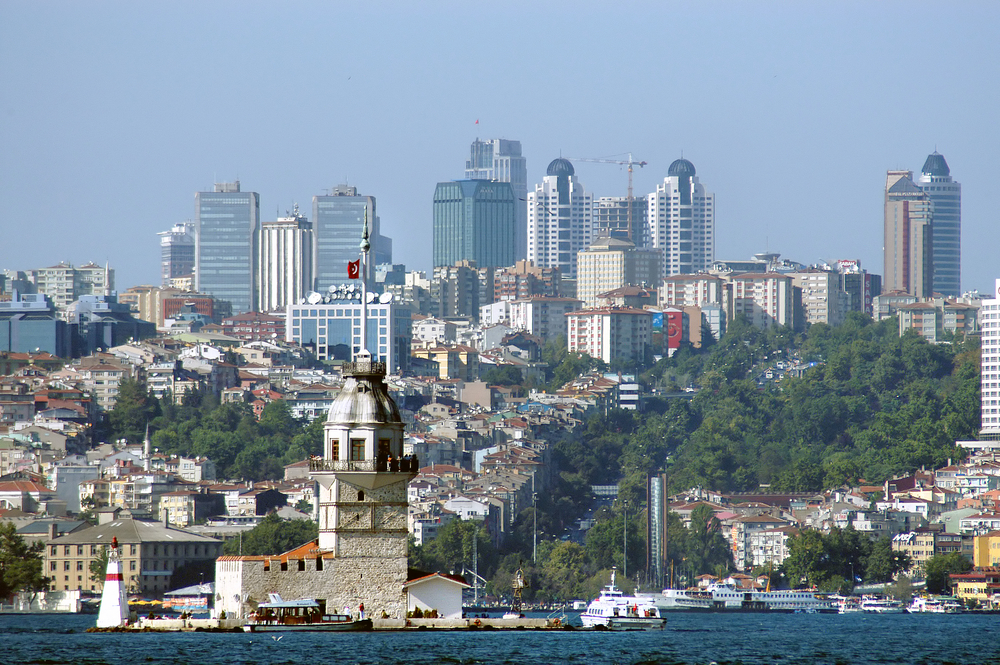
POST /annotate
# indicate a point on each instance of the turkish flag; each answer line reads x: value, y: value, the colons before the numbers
x: 354, y: 269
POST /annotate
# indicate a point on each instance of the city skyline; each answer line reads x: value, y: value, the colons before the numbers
x: 787, y: 99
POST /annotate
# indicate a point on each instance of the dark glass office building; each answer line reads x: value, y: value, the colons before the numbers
x: 226, y: 225
x: 474, y: 220
x: 338, y: 220
x: 946, y: 228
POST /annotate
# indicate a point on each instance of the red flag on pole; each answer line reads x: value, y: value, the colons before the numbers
x: 354, y: 269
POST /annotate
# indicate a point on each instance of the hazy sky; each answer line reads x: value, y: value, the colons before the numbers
x: 113, y: 114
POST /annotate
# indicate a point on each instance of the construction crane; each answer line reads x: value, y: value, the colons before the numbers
x: 620, y: 162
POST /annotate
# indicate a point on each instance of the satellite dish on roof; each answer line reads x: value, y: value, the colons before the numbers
x: 371, y: 296
x: 385, y: 298
x: 313, y: 298
x: 332, y: 288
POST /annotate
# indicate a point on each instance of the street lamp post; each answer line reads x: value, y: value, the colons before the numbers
x: 534, y: 528
x: 625, y: 541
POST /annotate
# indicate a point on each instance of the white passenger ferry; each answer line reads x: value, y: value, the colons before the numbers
x: 614, y: 610
x: 723, y: 596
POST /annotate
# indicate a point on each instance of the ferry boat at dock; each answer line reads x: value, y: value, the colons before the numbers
x: 725, y: 597
x: 614, y: 610
x: 303, y: 615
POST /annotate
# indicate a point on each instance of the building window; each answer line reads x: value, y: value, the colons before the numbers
x: 357, y: 449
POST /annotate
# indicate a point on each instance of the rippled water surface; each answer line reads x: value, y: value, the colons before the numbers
x: 784, y: 639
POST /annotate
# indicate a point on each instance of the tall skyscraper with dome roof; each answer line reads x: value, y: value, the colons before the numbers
x: 682, y: 221
x: 560, y: 219
x: 946, y: 229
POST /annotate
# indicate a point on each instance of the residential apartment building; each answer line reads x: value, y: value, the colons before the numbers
x: 681, y: 221
x: 461, y: 289
x: 254, y: 327
x: 541, y: 316
x: 523, y: 280
x: 610, y: 333
x: 766, y: 299
x: 560, y: 219
x: 226, y: 224
x: 64, y: 284
x: 990, y: 367
x: 609, y: 264
x: 823, y: 301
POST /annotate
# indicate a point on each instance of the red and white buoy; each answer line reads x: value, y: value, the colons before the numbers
x: 114, y: 603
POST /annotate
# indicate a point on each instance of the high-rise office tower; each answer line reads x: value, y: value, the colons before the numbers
x: 611, y: 219
x: 176, y: 252
x: 226, y: 224
x: 908, y: 248
x: 946, y: 194
x: 681, y: 221
x: 990, y: 367
x: 500, y: 159
x: 337, y: 222
x: 474, y: 220
x: 285, y: 263
x: 560, y: 219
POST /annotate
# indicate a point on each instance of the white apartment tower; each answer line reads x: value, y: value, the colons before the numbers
x: 285, y: 261
x: 560, y: 216
x: 990, y: 367
x: 501, y: 160
x: 682, y: 221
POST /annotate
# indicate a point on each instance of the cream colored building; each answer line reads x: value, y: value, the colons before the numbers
x: 610, y: 263
x: 151, y: 554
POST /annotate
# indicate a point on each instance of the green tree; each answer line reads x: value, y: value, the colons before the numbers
x: 883, y: 563
x: 503, y: 375
x: 273, y: 536
x: 133, y: 410
x: 938, y: 568
x: 99, y: 566
x: 20, y: 563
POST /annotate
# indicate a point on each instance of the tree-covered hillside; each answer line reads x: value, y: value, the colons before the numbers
x: 874, y: 404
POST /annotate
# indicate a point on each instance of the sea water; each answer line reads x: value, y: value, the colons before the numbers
x: 781, y: 639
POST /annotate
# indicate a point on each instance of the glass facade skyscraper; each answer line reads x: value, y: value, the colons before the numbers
x: 946, y: 229
x: 474, y: 220
x: 337, y: 223
x: 226, y: 225
x: 501, y: 159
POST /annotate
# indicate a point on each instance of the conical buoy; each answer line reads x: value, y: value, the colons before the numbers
x: 114, y: 603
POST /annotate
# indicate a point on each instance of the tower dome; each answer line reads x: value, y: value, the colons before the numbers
x: 681, y: 167
x: 935, y: 165
x: 364, y: 399
x: 560, y: 166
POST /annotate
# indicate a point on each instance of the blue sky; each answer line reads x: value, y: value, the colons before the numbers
x: 113, y: 114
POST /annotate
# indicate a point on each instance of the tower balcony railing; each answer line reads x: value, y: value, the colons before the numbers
x: 406, y: 464
x: 341, y: 465
x: 364, y: 367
